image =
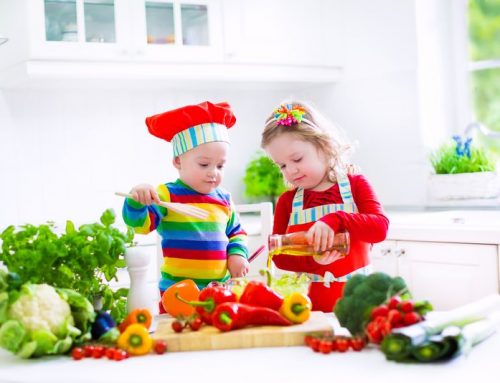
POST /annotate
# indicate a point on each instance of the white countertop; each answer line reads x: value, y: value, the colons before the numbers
x: 461, y: 226
x: 285, y: 364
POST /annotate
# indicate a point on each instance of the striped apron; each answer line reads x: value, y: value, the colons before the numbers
x: 328, y: 280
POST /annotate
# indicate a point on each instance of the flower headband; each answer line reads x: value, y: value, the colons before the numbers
x: 289, y: 114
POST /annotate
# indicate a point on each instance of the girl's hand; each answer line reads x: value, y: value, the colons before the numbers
x: 237, y: 266
x: 145, y: 194
x: 321, y: 236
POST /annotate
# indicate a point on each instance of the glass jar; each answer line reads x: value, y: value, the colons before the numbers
x: 296, y: 244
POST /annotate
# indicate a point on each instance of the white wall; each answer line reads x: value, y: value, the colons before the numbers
x: 64, y: 152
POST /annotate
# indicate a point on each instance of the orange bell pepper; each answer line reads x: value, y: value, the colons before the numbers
x: 141, y: 316
x: 186, y: 289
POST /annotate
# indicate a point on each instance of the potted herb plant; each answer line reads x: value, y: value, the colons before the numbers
x: 463, y: 171
x: 263, y: 179
x: 84, y: 259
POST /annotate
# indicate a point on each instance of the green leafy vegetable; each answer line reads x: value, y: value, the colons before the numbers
x: 82, y: 259
x: 38, y: 319
x: 361, y: 294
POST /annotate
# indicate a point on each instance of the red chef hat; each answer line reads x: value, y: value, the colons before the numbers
x: 192, y: 125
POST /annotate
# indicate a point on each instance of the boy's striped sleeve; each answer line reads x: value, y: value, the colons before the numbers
x: 237, y: 236
x: 144, y: 219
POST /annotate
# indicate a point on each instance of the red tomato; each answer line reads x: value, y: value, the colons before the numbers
x: 160, y: 346
x: 88, y: 350
x: 394, y: 302
x: 110, y: 352
x: 98, y: 352
x: 411, y: 318
x: 120, y: 355
x: 315, y: 344
x: 357, y: 343
x: 341, y: 344
x: 195, y: 324
x: 325, y: 346
x: 394, y: 317
x: 406, y: 306
x: 379, y: 311
x: 77, y: 353
x: 307, y: 340
x: 177, y: 326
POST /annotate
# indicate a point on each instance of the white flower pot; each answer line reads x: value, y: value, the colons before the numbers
x: 464, y: 186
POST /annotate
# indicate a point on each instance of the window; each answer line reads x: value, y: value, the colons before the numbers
x: 484, y: 65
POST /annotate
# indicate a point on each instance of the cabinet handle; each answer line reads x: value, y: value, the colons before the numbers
x: 385, y: 251
x: 400, y: 252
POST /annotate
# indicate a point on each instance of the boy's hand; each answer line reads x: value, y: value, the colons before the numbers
x: 237, y: 266
x: 145, y: 194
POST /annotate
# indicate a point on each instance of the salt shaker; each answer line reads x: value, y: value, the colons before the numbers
x: 137, y: 264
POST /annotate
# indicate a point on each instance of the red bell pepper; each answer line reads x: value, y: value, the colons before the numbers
x: 231, y: 316
x: 209, y: 299
x: 259, y: 294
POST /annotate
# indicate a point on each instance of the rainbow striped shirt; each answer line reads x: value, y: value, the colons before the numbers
x: 192, y: 248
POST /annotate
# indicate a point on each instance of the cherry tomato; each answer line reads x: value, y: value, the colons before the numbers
x: 411, y: 318
x: 88, y: 349
x: 195, y: 324
x: 110, y: 352
x: 357, y: 343
x: 160, y: 347
x: 177, y: 326
x: 378, y: 311
x: 406, y: 306
x: 315, y: 342
x: 120, y: 355
x: 98, y: 352
x: 307, y: 340
x: 395, y: 317
x: 77, y: 353
x: 325, y: 346
x: 341, y: 344
x: 394, y: 302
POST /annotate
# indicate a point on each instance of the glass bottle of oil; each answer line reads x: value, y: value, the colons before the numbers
x: 296, y: 244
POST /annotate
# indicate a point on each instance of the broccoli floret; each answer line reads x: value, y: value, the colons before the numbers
x: 361, y: 295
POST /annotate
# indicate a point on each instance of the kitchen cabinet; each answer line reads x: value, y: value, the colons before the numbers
x: 157, y: 42
x: 275, y: 32
x: 446, y: 274
x: 117, y: 30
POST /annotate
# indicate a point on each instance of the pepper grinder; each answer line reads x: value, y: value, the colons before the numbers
x: 137, y: 264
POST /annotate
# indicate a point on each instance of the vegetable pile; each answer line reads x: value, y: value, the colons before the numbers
x: 81, y: 259
x: 218, y: 305
x: 38, y: 319
x: 361, y: 294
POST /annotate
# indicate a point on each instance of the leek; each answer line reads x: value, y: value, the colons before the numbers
x: 444, y: 336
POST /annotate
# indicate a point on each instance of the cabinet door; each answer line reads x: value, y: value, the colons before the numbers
x: 273, y: 32
x: 75, y: 29
x: 173, y: 30
x: 383, y: 258
x: 448, y: 274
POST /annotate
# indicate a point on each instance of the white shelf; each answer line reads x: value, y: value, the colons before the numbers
x: 68, y: 74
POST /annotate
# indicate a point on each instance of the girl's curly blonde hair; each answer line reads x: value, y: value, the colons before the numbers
x: 316, y: 129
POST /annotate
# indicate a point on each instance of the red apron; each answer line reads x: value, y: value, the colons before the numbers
x: 328, y: 280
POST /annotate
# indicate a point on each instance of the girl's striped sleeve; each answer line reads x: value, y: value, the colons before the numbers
x: 144, y: 219
x: 237, y: 236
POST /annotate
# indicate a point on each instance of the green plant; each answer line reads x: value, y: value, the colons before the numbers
x: 82, y: 259
x: 263, y: 178
x: 459, y: 156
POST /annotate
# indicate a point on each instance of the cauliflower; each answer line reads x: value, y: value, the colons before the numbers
x: 42, y: 308
x: 38, y: 319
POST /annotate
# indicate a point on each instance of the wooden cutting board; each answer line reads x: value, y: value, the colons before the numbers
x: 209, y: 338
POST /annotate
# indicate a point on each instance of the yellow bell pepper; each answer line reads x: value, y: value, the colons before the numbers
x: 135, y: 339
x: 296, y: 308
